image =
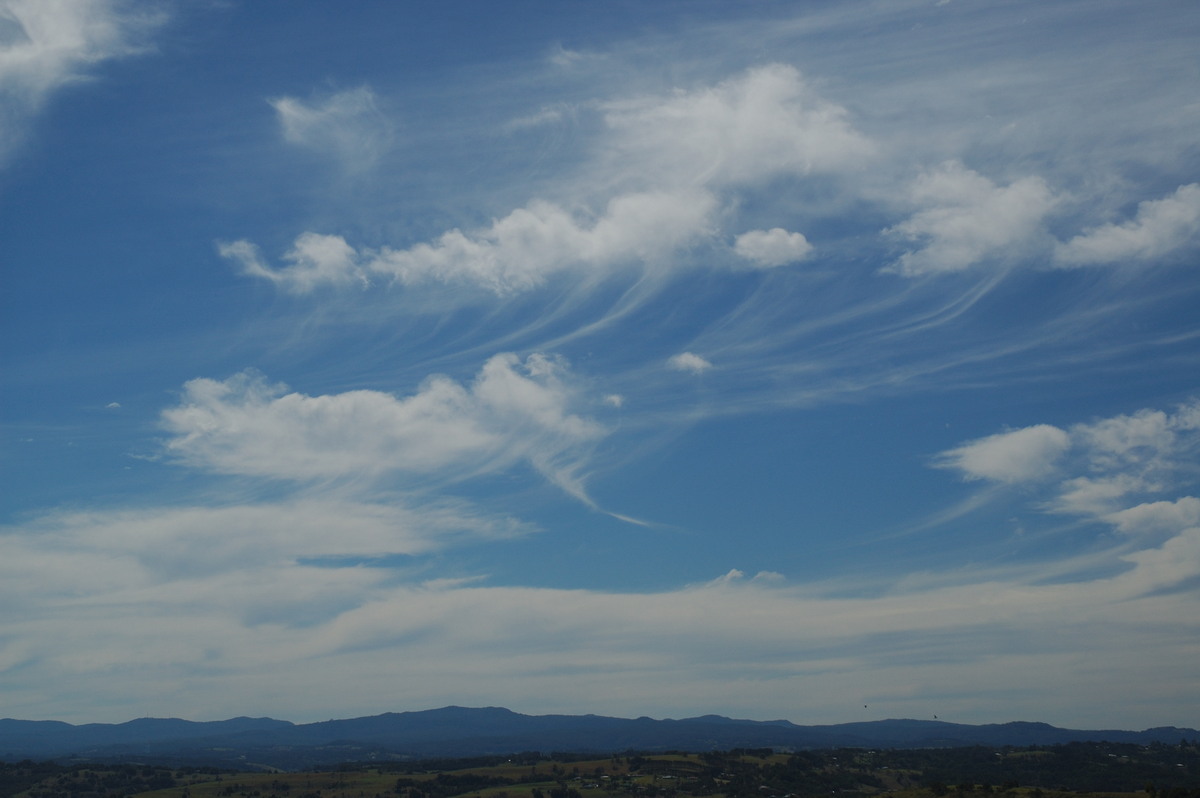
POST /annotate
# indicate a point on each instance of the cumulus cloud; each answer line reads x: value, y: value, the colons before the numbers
x: 1158, y: 516
x: 347, y: 125
x: 1016, y: 456
x: 522, y: 249
x: 513, y: 411
x: 316, y: 260
x: 1176, y: 562
x: 688, y: 361
x: 774, y: 247
x: 516, y: 253
x: 1102, y: 469
x: 1160, y: 226
x: 45, y: 44
x: 966, y: 219
x: 667, y: 163
x: 1097, y: 496
x: 1138, y: 438
x: 758, y: 125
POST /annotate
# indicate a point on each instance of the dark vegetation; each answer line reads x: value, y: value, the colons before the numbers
x: 1072, y: 770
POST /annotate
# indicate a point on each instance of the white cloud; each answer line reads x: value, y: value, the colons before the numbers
x: 774, y: 247
x: 1161, y: 226
x: 662, y: 166
x: 522, y: 249
x: 545, y: 116
x: 1102, y: 469
x: 1158, y: 516
x: 1023, y: 454
x: 512, y: 411
x: 967, y: 218
x: 154, y: 546
x: 688, y: 361
x: 729, y: 577
x: 1097, y: 496
x: 1176, y: 562
x: 133, y: 603
x: 1141, y: 438
x: 45, y: 44
x: 560, y: 56
x: 753, y: 127
x: 516, y: 253
x: 347, y: 125
x: 297, y: 587
x: 316, y: 260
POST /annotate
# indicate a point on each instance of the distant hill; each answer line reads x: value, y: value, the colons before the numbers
x: 463, y: 732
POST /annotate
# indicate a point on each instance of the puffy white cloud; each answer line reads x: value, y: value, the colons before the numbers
x: 1143, y: 437
x: 522, y: 249
x: 516, y: 253
x: 1097, y: 496
x: 1102, y: 469
x: 662, y: 169
x: 347, y: 125
x: 45, y: 44
x: 1159, y: 227
x: 774, y: 247
x: 688, y: 361
x: 1016, y: 456
x: 1176, y: 562
x: 512, y: 411
x: 756, y: 126
x: 1158, y: 516
x: 966, y: 218
x: 316, y: 260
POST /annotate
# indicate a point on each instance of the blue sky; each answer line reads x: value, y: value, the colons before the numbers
x: 765, y: 359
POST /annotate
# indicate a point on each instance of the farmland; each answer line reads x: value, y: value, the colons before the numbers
x: 1098, y: 769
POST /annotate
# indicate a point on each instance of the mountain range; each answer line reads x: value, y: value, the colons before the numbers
x: 256, y: 743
